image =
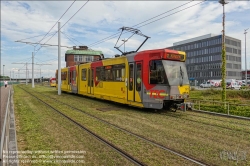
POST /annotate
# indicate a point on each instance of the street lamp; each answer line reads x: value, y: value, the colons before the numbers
x: 223, y: 2
x: 246, y: 55
x: 124, y: 44
x: 3, y: 70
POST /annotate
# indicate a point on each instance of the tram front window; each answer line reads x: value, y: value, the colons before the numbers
x: 168, y: 73
x: 176, y: 72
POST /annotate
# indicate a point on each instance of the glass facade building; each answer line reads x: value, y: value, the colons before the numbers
x: 204, y: 58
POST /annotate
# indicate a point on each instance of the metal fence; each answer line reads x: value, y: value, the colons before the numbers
x: 5, y: 135
x: 227, y: 108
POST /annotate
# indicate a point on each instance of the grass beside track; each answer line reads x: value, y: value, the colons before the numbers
x: 132, y: 145
x: 41, y: 129
x: 204, y: 137
x: 238, y: 101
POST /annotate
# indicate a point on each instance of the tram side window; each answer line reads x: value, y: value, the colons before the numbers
x: 84, y: 73
x: 138, y: 77
x: 111, y: 73
x: 99, y: 73
x: 131, y: 69
x: 118, y: 72
x: 108, y: 73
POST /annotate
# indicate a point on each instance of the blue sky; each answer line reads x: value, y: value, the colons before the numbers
x: 100, y: 19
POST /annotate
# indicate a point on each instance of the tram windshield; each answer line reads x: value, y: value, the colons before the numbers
x: 168, y: 73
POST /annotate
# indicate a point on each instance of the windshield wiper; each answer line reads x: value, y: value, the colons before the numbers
x: 181, y: 73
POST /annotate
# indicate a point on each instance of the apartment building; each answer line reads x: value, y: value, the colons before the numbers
x: 80, y: 55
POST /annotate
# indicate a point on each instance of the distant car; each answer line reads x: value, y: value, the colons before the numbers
x: 206, y: 85
x: 233, y: 85
x: 243, y: 84
x: 215, y: 83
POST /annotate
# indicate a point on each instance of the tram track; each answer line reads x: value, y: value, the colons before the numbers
x: 209, y: 124
x: 221, y: 114
x: 202, y: 122
x: 175, y: 152
x: 212, y: 118
x: 120, y: 151
x: 196, y: 114
x: 206, y: 123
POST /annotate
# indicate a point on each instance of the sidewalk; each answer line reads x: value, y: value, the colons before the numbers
x: 4, y: 98
x: 9, y: 137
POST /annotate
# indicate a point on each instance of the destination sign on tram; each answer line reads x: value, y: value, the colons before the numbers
x: 178, y: 57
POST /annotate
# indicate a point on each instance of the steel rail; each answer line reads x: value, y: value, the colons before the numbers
x: 214, y: 125
x: 138, y: 136
x: 196, y: 114
x: 221, y: 114
x: 120, y: 151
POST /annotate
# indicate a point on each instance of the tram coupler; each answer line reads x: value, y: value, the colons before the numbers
x: 185, y: 106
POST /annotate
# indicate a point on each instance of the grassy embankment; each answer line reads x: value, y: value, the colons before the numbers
x: 41, y: 129
x: 204, y: 137
x: 239, y: 101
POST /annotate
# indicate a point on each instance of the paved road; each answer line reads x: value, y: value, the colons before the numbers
x: 4, y: 98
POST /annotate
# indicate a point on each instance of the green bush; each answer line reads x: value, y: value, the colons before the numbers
x: 192, y: 89
x: 240, y: 93
x: 211, y: 91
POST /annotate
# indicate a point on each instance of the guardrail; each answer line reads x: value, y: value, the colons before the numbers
x: 4, y: 148
x: 218, y: 107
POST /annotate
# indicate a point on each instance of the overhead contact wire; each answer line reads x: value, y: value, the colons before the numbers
x: 57, y: 22
x: 115, y: 35
x: 65, y: 23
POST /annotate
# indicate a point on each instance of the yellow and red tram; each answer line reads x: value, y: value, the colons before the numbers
x: 52, y: 82
x: 154, y: 79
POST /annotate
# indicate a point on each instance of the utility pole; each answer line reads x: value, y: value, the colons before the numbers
x: 59, y: 60
x: 59, y: 57
x: 10, y: 75
x: 246, y: 55
x: 223, y: 2
x: 3, y: 70
x: 40, y: 69
x: 26, y: 73
x: 13, y: 75
x: 26, y: 64
x: 33, y: 85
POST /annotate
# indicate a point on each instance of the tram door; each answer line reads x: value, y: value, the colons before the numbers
x: 135, y: 82
x: 138, y: 82
x: 131, y: 82
x: 90, y: 81
x: 73, y: 82
x: 70, y: 78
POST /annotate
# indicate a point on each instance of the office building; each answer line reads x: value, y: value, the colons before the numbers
x: 204, y: 58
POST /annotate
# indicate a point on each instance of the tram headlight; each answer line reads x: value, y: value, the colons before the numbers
x: 173, y: 97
